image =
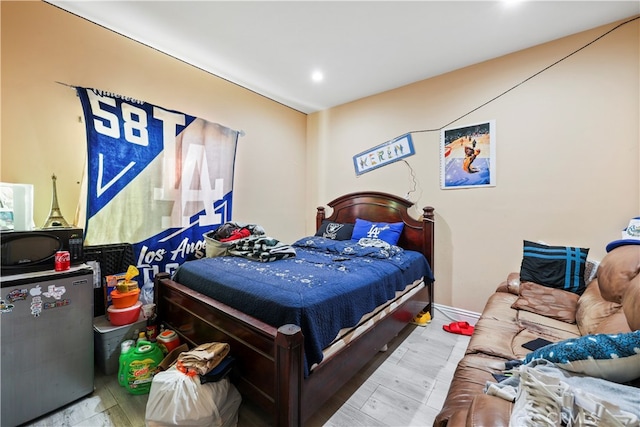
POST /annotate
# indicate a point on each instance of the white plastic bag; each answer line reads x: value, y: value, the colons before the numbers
x: 176, y: 399
x: 146, y: 293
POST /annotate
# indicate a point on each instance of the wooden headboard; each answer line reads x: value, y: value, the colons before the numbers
x: 417, y: 235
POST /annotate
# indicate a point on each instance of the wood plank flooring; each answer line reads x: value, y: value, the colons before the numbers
x: 404, y: 386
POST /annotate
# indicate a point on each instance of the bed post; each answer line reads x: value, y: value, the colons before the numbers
x: 320, y: 216
x: 289, y: 374
x: 428, y: 230
x: 428, y: 233
x: 156, y: 285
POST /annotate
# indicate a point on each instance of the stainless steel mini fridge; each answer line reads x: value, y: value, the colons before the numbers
x: 46, y: 342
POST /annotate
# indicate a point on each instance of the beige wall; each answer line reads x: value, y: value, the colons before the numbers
x: 568, y: 152
x: 42, y: 132
x: 567, y: 155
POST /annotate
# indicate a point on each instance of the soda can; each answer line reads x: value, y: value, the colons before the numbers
x: 62, y: 261
x: 152, y: 332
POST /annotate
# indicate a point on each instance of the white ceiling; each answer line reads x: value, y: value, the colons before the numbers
x: 362, y: 47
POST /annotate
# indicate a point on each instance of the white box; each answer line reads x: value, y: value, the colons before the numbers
x: 107, y: 339
x: 16, y: 206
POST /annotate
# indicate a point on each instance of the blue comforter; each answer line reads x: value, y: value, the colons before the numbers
x: 328, y: 286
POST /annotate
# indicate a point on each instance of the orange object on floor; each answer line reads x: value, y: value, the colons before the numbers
x: 124, y: 299
x: 460, y: 328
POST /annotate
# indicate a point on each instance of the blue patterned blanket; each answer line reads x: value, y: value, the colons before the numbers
x: 328, y: 286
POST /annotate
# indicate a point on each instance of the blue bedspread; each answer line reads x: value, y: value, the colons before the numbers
x: 328, y: 286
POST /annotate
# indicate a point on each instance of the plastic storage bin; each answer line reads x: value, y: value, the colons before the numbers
x: 107, y: 340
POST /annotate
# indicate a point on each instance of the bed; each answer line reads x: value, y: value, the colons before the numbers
x: 272, y: 361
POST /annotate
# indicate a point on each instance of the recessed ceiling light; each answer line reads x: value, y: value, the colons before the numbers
x: 510, y: 3
x: 317, y: 76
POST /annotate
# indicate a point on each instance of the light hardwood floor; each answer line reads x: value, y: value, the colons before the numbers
x: 404, y: 386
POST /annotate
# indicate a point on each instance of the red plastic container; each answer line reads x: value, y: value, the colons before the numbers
x: 124, y: 316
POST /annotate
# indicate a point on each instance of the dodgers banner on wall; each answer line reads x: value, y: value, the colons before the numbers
x: 156, y: 178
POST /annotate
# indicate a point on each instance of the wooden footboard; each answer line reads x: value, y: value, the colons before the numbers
x: 269, y: 361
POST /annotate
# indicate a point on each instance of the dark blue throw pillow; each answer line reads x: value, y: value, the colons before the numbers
x: 559, y: 267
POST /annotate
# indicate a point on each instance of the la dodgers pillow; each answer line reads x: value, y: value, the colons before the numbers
x: 386, y: 231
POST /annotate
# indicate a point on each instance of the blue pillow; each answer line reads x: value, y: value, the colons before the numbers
x: 613, y: 357
x: 386, y: 231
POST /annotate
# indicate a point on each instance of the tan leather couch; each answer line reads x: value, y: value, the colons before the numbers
x: 610, y: 304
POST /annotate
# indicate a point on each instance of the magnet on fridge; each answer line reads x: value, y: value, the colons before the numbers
x: 4, y: 307
x: 17, y: 294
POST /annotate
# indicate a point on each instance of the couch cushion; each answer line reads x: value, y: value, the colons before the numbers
x: 614, y: 324
x: 593, y: 309
x: 498, y: 307
x: 524, y: 337
x: 493, y: 337
x: 555, y: 266
x: 546, y: 301
x: 546, y: 327
x: 618, y: 270
x: 631, y: 304
x: 499, y: 339
x: 501, y: 330
x: 614, y: 357
x: 488, y: 410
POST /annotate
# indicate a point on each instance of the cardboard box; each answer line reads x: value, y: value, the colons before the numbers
x: 107, y: 339
x: 110, y: 283
x: 172, y: 357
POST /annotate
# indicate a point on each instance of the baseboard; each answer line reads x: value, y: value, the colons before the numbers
x: 457, y: 314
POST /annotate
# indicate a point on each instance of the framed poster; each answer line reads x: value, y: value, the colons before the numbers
x: 468, y: 156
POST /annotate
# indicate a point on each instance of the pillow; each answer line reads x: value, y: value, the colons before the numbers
x: 335, y: 230
x: 613, y: 357
x: 548, y: 302
x: 389, y: 232
x: 554, y: 266
x: 350, y: 248
x: 590, y: 270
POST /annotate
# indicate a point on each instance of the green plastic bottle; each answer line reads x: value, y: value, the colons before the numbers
x: 140, y: 366
x: 125, y: 348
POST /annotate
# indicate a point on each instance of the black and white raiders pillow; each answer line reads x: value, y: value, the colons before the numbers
x: 335, y: 230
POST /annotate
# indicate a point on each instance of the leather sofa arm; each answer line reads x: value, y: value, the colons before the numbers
x: 511, y: 285
x: 488, y: 411
x: 458, y: 419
